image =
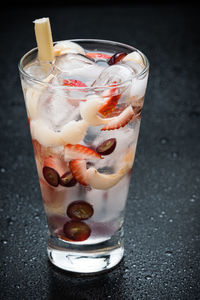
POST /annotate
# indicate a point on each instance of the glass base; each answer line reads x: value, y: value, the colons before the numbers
x: 86, y: 259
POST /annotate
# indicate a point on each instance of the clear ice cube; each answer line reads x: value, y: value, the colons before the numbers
x: 137, y: 68
x: 77, y: 66
x: 71, y: 59
x: 116, y: 73
x: 55, y: 109
x: 138, y: 86
x: 39, y: 71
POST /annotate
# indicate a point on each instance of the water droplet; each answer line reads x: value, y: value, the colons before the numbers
x: 126, y: 270
x: 165, y: 284
x: 162, y: 214
x: 192, y: 200
x: 17, y: 286
x: 33, y: 258
x: 175, y: 287
x: 170, y: 220
x: 5, y: 242
x: 168, y: 253
x: 175, y: 154
x: 138, y: 278
x: 148, y: 277
x: 10, y: 220
x: 3, y: 170
x: 164, y: 140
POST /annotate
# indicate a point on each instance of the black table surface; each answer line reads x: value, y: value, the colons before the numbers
x: 162, y: 225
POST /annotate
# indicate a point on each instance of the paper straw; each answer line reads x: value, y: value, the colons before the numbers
x: 44, y: 40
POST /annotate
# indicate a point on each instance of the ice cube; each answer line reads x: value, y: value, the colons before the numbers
x: 39, y: 71
x: 137, y: 68
x: 77, y: 66
x: 74, y: 93
x: 71, y: 59
x: 134, y: 56
x: 138, y: 88
x: 55, y: 108
x: 109, y: 203
x: 116, y: 73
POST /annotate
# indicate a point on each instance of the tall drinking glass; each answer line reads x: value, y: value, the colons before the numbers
x: 84, y: 113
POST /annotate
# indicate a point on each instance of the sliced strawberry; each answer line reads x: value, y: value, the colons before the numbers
x: 117, y: 111
x: 37, y: 147
x: 79, y: 170
x: 121, y: 120
x: 111, y: 103
x: 78, y: 151
x: 40, y: 151
x: 73, y: 83
x: 121, y: 107
x: 98, y: 55
x: 56, y: 163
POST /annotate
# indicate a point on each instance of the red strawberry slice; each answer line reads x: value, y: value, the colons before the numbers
x: 109, y: 106
x: 73, y: 83
x: 98, y: 55
x: 37, y: 148
x: 79, y: 170
x: 121, y: 120
x: 111, y: 103
x: 117, y: 111
x: 78, y: 151
x: 56, y: 163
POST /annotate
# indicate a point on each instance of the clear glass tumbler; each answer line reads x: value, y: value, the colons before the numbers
x: 84, y: 138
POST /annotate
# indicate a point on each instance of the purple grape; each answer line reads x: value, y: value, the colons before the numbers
x: 117, y: 57
x: 80, y: 210
x: 107, y: 147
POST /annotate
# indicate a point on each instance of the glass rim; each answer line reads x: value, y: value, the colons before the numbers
x: 38, y: 81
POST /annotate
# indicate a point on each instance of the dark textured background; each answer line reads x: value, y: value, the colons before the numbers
x: 162, y: 228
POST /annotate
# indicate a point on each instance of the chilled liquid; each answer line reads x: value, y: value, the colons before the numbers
x: 85, y: 140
